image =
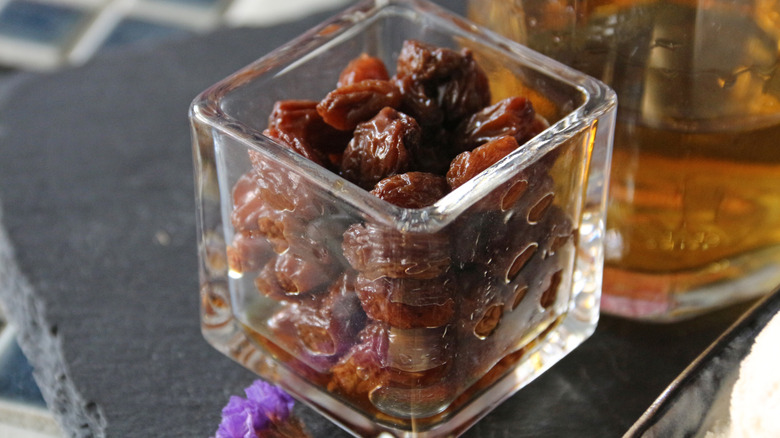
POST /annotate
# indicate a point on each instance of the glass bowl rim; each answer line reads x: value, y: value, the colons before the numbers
x: 598, y: 99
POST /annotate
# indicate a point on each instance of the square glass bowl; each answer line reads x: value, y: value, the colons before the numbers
x: 404, y: 321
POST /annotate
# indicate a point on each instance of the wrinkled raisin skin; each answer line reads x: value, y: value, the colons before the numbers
x: 380, y: 148
x: 298, y: 274
x: 412, y: 189
x: 361, y: 369
x: 248, y: 253
x: 514, y: 116
x: 362, y: 68
x: 469, y: 164
x: 300, y: 119
x: 295, y: 144
x: 439, y: 84
x: 283, y: 190
x: 408, y: 303
x: 345, y: 107
x: 376, y: 252
x: 425, y: 62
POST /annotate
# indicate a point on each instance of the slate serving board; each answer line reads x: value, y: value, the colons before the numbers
x: 98, y: 262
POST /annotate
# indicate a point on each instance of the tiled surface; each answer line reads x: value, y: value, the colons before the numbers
x: 23, y: 412
x: 47, y: 34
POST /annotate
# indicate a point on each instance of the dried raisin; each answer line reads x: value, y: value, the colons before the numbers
x: 248, y: 253
x: 300, y: 119
x: 376, y: 251
x: 347, y: 106
x: 248, y: 206
x: 440, y: 84
x: 514, y: 116
x: 362, y: 68
x: 361, y: 369
x: 322, y: 327
x: 380, y: 148
x: 412, y: 189
x: 284, y: 190
x: 298, y: 274
x: 469, y: 164
x: 408, y: 303
x: 295, y: 144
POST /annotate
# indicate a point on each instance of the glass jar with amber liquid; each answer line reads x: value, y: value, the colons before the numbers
x: 694, y: 211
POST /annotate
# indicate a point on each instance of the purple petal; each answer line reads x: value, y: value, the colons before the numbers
x: 272, y: 400
x: 234, y: 406
x: 240, y: 419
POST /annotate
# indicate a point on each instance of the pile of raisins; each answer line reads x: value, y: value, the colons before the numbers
x: 374, y: 308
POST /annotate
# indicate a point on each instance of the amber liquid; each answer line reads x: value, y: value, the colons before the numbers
x: 694, y: 212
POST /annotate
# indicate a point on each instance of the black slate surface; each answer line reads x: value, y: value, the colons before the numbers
x: 98, y: 262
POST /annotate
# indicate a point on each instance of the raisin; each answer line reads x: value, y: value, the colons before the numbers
x: 300, y: 119
x: 514, y: 116
x: 387, y: 358
x: 380, y: 148
x: 425, y: 62
x: 276, y: 227
x: 416, y: 102
x: 283, y: 189
x: 268, y: 285
x: 361, y: 369
x: 519, y: 193
x: 295, y: 144
x: 376, y: 251
x: 248, y: 206
x: 362, y: 68
x: 298, y: 274
x: 412, y: 189
x: 434, y: 153
x: 254, y: 217
x: 439, y: 84
x: 345, y: 107
x: 322, y: 327
x: 248, y: 253
x: 561, y: 234
x: 466, y: 93
x: 539, y: 124
x: 408, y: 303
x: 293, y: 277
x: 468, y: 164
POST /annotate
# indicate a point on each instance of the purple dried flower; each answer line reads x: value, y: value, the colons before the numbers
x: 276, y: 403
x: 240, y: 418
x: 265, y: 412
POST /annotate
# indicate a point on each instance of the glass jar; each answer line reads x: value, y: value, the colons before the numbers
x: 694, y: 206
x: 408, y: 321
